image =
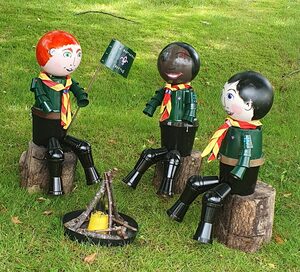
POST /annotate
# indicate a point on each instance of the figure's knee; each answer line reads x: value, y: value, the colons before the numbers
x: 55, y: 155
x: 216, y: 196
x: 152, y: 154
x: 173, y: 154
x: 148, y: 154
x: 54, y: 152
x: 77, y: 145
x: 84, y: 147
x: 194, y: 181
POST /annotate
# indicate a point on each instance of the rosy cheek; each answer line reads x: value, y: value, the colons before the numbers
x: 236, y: 108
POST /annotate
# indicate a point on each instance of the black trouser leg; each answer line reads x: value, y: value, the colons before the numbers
x: 83, y: 150
x: 195, y: 186
x: 147, y: 158
x: 212, y: 201
x: 55, y: 158
x: 171, y: 167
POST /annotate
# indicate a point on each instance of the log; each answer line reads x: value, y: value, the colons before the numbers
x: 245, y: 222
x: 34, y: 171
x: 190, y: 166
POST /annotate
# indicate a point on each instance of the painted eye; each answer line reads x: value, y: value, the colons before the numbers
x: 79, y: 54
x: 67, y: 54
x: 230, y: 96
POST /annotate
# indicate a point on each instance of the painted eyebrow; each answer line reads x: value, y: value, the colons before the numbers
x: 232, y: 90
x: 182, y: 52
x: 69, y: 48
x: 78, y: 50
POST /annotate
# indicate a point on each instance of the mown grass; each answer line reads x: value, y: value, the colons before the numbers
x: 231, y: 36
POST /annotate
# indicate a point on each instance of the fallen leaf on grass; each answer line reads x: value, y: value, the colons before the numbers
x: 90, y: 258
x: 151, y: 141
x: 112, y: 141
x: 278, y: 239
x: 271, y: 265
x: 75, y: 188
x: 287, y: 194
x: 16, y: 220
x: 41, y: 199
x: 205, y: 22
x: 47, y: 212
x: 3, y: 208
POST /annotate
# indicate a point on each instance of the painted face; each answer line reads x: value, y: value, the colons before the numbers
x: 175, y: 65
x: 63, y: 60
x: 234, y: 105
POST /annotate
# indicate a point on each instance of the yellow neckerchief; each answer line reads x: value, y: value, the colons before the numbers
x: 65, y: 111
x: 166, y: 105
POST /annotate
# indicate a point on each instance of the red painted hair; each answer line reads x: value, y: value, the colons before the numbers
x: 52, y: 39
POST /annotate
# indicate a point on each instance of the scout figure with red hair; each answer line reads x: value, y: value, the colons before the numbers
x: 59, y: 54
x: 246, y: 98
x: 178, y: 64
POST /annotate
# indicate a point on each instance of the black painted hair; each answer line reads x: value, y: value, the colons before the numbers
x: 193, y: 53
x: 255, y: 87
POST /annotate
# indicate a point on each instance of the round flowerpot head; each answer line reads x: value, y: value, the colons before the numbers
x: 178, y: 63
x: 247, y: 96
x: 58, y: 53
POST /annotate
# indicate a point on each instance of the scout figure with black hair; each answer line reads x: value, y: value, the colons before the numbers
x: 178, y: 63
x: 59, y: 54
x: 246, y: 98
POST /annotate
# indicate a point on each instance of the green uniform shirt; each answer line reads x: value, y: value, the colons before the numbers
x: 238, y: 140
x: 49, y: 100
x: 184, y: 105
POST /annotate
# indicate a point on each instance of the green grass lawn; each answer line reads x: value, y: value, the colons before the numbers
x: 230, y: 36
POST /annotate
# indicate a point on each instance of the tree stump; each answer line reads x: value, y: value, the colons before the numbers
x: 190, y: 166
x: 245, y: 222
x: 34, y: 171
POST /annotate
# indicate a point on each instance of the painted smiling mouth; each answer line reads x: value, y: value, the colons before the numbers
x: 69, y: 69
x: 173, y: 75
x: 229, y: 112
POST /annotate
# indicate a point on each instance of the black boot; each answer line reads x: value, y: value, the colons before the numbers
x: 55, y: 158
x: 171, y: 167
x: 195, y: 186
x: 212, y: 201
x: 83, y: 150
x: 148, y: 157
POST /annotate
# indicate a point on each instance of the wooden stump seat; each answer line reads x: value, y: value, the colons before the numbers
x: 245, y: 222
x: 34, y: 171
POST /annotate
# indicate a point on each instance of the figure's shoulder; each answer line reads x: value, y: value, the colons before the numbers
x: 35, y: 83
x: 73, y: 80
x: 160, y: 90
x: 189, y: 89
